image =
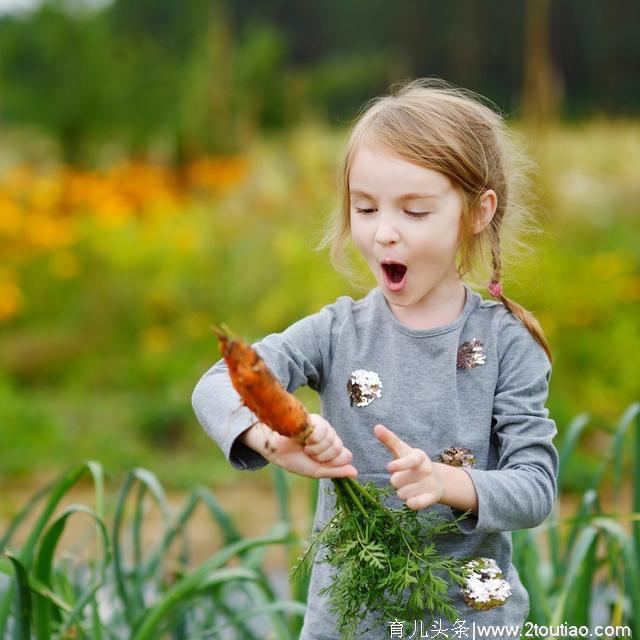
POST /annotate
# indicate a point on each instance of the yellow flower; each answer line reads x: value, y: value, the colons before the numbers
x: 11, y: 300
x: 156, y: 339
x: 47, y: 232
x: 12, y: 217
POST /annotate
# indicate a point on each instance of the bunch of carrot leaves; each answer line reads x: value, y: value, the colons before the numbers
x: 384, y: 560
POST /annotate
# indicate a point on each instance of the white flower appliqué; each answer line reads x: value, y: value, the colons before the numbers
x: 364, y: 387
x: 485, y: 588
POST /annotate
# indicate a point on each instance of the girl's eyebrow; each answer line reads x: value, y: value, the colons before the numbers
x: 406, y: 196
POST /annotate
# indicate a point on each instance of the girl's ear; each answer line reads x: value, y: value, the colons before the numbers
x: 485, y: 209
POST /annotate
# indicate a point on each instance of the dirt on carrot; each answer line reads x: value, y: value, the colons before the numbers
x: 259, y: 389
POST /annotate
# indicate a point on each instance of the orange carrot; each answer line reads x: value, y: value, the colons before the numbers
x: 260, y: 391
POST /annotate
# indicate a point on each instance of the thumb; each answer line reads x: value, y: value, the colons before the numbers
x: 390, y: 440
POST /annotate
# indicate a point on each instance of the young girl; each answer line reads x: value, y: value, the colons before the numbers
x: 423, y: 383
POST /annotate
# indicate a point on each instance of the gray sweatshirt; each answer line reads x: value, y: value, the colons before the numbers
x: 479, y: 382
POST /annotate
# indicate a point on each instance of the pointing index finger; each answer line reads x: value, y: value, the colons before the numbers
x: 390, y: 440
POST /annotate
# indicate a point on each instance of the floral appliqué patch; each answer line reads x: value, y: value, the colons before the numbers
x: 485, y: 588
x: 458, y: 457
x: 471, y: 354
x: 364, y: 387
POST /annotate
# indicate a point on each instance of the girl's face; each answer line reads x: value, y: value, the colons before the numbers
x: 409, y: 215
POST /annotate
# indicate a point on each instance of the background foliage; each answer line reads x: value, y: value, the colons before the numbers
x: 112, y: 278
x: 167, y: 166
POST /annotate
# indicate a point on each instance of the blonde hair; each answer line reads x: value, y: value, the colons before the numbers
x: 431, y: 123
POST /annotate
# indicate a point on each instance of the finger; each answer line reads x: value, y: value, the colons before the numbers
x: 332, y: 440
x: 409, y: 490
x: 325, y: 454
x: 421, y: 501
x: 345, y: 471
x: 344, y: 457
x: 320, y: 428
x: 391, y: 441
x: 413, y: 459
x: 403, y: 478
x: 328, y: 457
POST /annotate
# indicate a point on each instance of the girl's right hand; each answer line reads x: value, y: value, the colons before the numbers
x: 322, y: 456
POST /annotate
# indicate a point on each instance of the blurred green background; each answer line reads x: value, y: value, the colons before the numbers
x: 166, y: 166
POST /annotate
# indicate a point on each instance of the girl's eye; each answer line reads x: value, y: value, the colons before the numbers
x: 418, y: 214
x: 415, y: 214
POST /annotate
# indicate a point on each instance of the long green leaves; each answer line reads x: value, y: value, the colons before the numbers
x: 126, y: 588
x: 43, y: 569
x: 636, y: 487
x: 205, y: 576
x: 60, y: 489
x: 23, y: 600
x: 591, y: 553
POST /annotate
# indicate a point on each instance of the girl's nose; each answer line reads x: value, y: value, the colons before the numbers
x: 386, y: 233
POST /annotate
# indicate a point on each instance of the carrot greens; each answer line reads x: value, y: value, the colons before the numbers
x: 384, y: 561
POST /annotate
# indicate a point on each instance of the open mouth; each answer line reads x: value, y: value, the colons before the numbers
x: 395, y: 271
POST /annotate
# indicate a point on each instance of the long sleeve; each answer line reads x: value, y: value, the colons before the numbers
x: 520, y: 492
x: 298, y: 356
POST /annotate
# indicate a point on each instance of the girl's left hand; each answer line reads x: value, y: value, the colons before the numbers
x: 413, y: 473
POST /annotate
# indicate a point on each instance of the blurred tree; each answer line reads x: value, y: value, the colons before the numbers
x: 160, y: 45
x: 56, y: 74
x: 180, y: 79
x: 149, y: 75
x: 595, y: 44
x: 542, y: 93
x: 231, y: 89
